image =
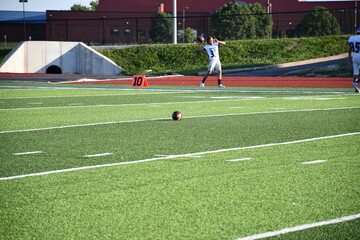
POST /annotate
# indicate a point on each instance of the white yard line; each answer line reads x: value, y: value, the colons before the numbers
x: 82, y: 125
x: 177, y: 156
x: 27, y: 153
x: 158, y: 119
x: 314, y: 98
x: 312, y: 162
x: 35, y: 103
x: 98, y: 155
x: 102, y: 95
x: 162, y: 155
x: 174, y: 89
x: 240, y: 159
x: 111, y: 105
x: 301, y: 227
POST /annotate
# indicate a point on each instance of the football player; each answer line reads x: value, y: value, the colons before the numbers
x: 354, y: 60
x: 212, y: 49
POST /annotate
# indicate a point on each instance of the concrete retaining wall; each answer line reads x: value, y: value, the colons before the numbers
x: 74, y: 57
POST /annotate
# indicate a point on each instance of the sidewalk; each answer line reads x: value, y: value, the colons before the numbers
x: 284, y: 65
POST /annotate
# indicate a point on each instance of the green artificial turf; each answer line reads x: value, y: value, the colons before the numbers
x: 186, y: 188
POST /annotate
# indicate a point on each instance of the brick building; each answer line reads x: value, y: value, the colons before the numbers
x: 128, y: 21
x: 19, y: 26
x: 211, y: 6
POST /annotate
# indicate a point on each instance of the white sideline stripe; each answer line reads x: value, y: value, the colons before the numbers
x: 98, y: 155
x: 301, y: 227
x: 111, y: 105
x: 35, y: 103
x: 25, y: 153
x: 176, y: 156
x: 158, y: 119
x: 240, y: 159
x: 316, y: 161
x: 103, y: 95
x: 82, y: 125
x: 161, y: 155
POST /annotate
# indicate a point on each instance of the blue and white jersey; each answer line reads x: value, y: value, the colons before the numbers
x: 213, y: 50
x: 354, y: 43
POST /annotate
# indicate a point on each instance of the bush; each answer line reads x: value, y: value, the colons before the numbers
x: 235, y: 21
x: 232, y: 21
x: 189, y: 35
x: 263, y: 22
x: 4, y: 52
x: 161, y: 27
x: 185, y: 59
x: 319, y: 22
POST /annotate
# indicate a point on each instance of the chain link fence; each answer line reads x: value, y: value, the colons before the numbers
x: 100, y: 28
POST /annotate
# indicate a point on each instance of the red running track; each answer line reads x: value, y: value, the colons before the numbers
x: 212, y: 81
x: 236, y: 81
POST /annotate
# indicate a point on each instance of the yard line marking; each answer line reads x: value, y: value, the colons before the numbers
x: 316, y: 161
x: 112, y: 105
x: 239, y: 97
x: 313, y: 98
x: 103, y: 95
x: 83, y: 125
x: 162, y: 155
x: 75, y: 104
x: 174, y: 89
x: 35, y: 103
x: 26, y: 153
x: 19, y: 89
x: 98, y: 155
x: 301, y: 227
x: 284, y: 111
x: 240, y: 159
x: 176, y: 156
x: 160, y: 119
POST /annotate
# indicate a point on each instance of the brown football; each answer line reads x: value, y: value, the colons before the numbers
x: 200, y: 39
x: 176, y: 115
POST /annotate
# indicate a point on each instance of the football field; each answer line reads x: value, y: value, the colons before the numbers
x: 243, y: 163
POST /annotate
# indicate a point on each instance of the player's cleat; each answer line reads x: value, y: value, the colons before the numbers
x: 221, y: 86
x: 202, y: 84
x: 355, y: 85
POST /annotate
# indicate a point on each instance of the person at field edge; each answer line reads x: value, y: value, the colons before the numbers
x: 212, y: 49
x: 354, y: 60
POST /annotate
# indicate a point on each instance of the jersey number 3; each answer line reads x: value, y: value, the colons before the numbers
x: 212, y: 53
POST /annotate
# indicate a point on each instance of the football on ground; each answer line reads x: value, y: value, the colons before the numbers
x: 176, y: 115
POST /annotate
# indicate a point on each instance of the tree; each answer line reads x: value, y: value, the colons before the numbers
x: 231, y: 21
x: 94, y: 5
x: 263, y: 22
x: 161, y: 27
x: 320, y: 22
x: 189, y: 35
x: 240, y: 21
x: 79, y: 7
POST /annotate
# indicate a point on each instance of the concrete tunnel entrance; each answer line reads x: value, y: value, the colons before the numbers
x: 53, y: 69
x: 57, y: 58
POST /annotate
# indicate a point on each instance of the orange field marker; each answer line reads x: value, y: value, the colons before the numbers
x: 139, y: 81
